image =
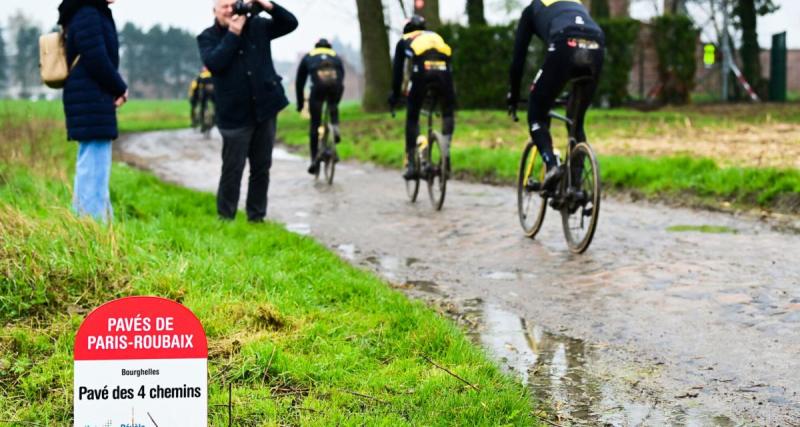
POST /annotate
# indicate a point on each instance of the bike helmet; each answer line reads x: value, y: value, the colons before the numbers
x: 416, y: 23
x: 323, y: 42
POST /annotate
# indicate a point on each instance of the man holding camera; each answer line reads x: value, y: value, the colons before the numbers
x: 248, y: 96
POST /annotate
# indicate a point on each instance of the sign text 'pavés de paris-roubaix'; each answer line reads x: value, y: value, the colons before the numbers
x: 141, y: 362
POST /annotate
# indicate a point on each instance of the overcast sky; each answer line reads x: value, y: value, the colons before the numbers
x: 335, y: 18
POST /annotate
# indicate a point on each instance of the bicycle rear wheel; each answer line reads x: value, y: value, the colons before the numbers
x: 437, y: 174
x: 531, y: 206
x: 581, y: 209
x: 329, y: 155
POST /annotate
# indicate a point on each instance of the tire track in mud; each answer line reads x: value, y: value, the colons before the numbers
x: 650, y: 327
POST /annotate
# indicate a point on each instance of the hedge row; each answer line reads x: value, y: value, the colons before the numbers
x: 482, y: 56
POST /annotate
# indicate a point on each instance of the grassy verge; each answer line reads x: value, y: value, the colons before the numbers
x: 303, y: 337
x: 487, y: 148
x: 135, y: 116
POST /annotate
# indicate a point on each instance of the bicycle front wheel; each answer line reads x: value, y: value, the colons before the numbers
x: 581, y: 209
x: 531, y: 205
x: 437, y: 174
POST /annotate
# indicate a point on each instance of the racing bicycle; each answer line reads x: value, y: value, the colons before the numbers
x: 576, y: 196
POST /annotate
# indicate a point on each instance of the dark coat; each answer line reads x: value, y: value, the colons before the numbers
x: 247, y: 89
x: 94, y: 83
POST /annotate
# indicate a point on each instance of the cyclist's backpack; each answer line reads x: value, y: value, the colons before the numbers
x: 327, y: 72
x: 53, y: 60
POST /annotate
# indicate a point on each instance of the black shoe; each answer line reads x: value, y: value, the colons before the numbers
x: 256, y: 220
x: 533, y: 186
x: 411, y: 172
x: 313, y: 169
x: 336, y: 137
x: 551, y: 178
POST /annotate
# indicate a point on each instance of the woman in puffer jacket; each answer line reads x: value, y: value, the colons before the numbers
x: 92, y: 93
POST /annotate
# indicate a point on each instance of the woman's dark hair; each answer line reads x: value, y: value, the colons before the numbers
x: 68, y: 8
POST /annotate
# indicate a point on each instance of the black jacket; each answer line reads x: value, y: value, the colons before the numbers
x: 94, y: 83
x: 560, y: 19
x: 319, y: 59
x: 433, y: 49
x: 247, y: 89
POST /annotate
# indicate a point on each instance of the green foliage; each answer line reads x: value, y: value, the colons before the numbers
x: 675, y: 39
x: 481, y: 57
x: 600, y: 9
x: 158, y: 63
x: 621, y: 34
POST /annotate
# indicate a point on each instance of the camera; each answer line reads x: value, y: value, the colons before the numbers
x: 242, y: 8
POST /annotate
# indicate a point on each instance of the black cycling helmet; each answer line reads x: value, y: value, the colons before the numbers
x: 323, y: 43
x: 416, y: 23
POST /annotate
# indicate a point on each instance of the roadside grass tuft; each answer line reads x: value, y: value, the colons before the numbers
x: 300, y: 335
x: 710, y: 229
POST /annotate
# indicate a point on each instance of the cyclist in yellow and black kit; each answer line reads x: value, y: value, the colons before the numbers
x: 327, y: 85
x: 426, y: 57
x: 575, y: 46
x: 201, y: 92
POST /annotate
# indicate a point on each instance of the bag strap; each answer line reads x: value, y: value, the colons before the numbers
x: 64, y: 42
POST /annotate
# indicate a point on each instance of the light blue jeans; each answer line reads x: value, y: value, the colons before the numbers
x: 92, y: 174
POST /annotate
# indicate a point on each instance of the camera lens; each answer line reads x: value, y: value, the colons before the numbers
x: 242, y: 8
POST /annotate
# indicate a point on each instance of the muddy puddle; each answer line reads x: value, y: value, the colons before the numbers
x: 564, y: 373
x: 662, y: 322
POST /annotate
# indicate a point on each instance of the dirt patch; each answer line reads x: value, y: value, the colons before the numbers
x: 766, y: 145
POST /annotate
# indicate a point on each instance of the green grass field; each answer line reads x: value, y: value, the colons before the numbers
x: 488, y: 145
x: 303, y: 337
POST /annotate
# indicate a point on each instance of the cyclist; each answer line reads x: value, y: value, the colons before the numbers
x: 424, y: 57
x: 575, y: 46
x: 201, y: 92
x: 327, y: 85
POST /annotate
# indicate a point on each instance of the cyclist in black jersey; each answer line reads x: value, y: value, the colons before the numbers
x: 425, y: 59
x: 201, y: 92
x: 327, y: 85
x: 575, y: 51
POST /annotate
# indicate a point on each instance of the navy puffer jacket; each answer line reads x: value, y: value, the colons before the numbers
x: 94, y: 83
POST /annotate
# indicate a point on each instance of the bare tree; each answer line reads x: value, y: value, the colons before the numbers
x: 375, y: 53
x: 429, y: 9
x: 475, y: 12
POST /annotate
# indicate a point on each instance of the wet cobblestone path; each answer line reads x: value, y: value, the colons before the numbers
x: 652, y: 326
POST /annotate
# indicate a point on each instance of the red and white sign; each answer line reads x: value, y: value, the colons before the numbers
x: 141, y: 362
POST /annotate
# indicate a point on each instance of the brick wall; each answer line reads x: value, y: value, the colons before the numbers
x: 644, y: 74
